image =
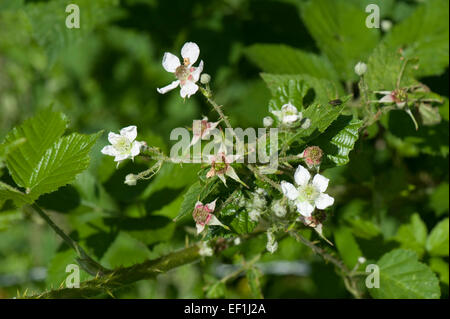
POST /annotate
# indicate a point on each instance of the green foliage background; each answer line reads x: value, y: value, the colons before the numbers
x: 392, y: 194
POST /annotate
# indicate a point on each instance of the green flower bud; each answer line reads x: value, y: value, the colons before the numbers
x: 205, y: 78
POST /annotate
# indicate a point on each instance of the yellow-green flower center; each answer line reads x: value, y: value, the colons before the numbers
x: 220, y: 167
x: 123, y: 145
x: 309, y: 193
x: 400, y: 95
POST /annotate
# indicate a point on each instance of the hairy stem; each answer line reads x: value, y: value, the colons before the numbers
x: 264, y: 178
x: 120, y: 277
x: 217, y: 107
x: 85, y: 261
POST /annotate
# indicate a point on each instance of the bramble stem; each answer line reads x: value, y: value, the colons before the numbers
x: 264, y: 178
x: 208, y: 95
x: 85, y: 261
x: 124, y: 276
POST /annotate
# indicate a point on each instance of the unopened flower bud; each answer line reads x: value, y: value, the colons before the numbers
x: 306, y: 124
x: 205, y: 78
x: 312, y: 156
x: 205, y: 250
x: 361, y: 260
x: 272, y: 244
x: 254, y: 215
x: 386, y: 25
x: 267, y: 121
x: 360, y: 68
x: 279, y: 209
x: 131, y: 179
x: 259, y: 202
x: 261, y: 191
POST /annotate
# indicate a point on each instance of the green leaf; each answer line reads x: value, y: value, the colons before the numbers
x: 40, y: 133
x: 125, y: 251
x: 9, y: 217
x: 425, y: 35
x: 437, y: 243
x: 355, y: 216
x: 444, y: 109
x: 339, y: 30
x: 383, y: 68
x: 363, y: 228
x: 9, y: 192
x: 347, y: 246
x: 430, y: 115
x: 8, y: 147
x: 254, y: 281
x: 439, y: 266
x: 439, y: 199
x: 413, y: 235
x: 45, y: 161
x: 338, y: 140
x: 150, y: 229
x: 401, y: 134
x: 57, y: 274
x: 173, y: 176
x: 48, y: 20
x: 216, y: 290
x: 402, y: 276
x: 242, y: 224
x: 323, y: 90
x: 321, y: 116
x: 61, y: 163
x: 282, y: 59
x: 291, y: 91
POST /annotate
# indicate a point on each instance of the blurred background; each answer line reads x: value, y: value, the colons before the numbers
x: 104, y: 77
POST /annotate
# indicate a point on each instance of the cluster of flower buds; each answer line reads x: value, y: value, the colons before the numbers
x: 279, y: 208
x: 272, y: 244
x: 360, y: 68
x: 205, y: 249
x: 257, y: 205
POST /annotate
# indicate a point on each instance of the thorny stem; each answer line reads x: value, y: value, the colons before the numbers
x: 217, y: 107
x: 120, y: 277
x: 85, y: 261
x: 290, y: 158
x: 117, y: 278
x: 263, y: 177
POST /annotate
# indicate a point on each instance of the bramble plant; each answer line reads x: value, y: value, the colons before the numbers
x: 308, y: 176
